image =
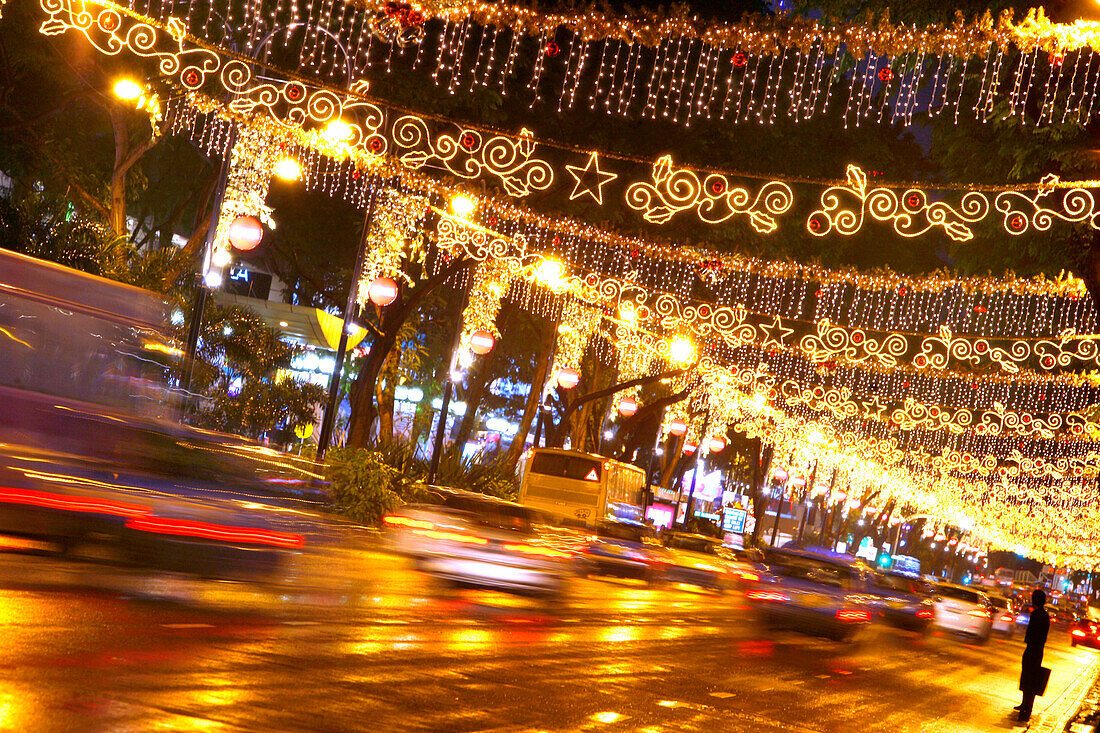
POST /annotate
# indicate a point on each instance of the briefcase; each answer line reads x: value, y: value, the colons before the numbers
x: 1041, y: 681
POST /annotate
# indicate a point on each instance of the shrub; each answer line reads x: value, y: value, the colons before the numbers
x: 364, y: 487
x: 367, y: 483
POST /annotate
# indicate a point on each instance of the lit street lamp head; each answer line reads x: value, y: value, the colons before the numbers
x: 288, y: 169
x: 128, y: 89
x: 462, y: 206
x: 681, y: 350
x: 338, y: 131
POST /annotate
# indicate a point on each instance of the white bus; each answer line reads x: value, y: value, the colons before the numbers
x: 580, y: 487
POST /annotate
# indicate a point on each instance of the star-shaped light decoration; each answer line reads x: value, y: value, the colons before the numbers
x: 775, y: 334
x: 584, y: 185
x: 873, y: 407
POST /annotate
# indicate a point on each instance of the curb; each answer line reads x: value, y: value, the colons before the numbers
x: 1077, y: 710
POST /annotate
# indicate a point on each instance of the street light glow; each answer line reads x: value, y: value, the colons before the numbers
x: 128, y: 89
x: 462, y: 206
x: 288, y: 169
x: 221, y: 257
x: 551, y: 273
x: 681, y: 350
x: 338, y: 131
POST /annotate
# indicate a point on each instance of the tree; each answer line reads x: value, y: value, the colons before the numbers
x: 240, y: 359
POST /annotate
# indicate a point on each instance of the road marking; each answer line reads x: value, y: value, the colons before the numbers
x: 188, y: 626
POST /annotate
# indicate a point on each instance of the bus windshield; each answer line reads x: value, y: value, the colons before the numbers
x: 579, y: 468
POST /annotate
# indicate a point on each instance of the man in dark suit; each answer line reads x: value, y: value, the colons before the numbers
x: 1031, y: 665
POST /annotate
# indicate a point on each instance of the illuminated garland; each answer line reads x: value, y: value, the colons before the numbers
x: 677, y: 67
x: 252, y: 164
x: 514, y: 163
x: 392, y: 239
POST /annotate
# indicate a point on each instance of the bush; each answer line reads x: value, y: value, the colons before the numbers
x: 364, y: 487
x: 367, y: 483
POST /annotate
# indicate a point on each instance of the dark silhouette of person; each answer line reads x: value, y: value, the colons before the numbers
x: 1031, y: 664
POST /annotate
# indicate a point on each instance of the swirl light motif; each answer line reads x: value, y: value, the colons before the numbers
x: 1022, y: 212
x: 713, y: 199
x: 469, y: 155
x: 910, y: 214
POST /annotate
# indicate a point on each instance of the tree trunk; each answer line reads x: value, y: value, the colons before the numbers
x: 762, y: 467
x: 534, y: 397
x: 384, y: 395
x: 479, y: 382
x: 363, y: 405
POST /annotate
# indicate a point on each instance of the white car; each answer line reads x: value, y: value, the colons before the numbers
x: 1004, y: 615
x: 469, y: 539
x: 963, y: 610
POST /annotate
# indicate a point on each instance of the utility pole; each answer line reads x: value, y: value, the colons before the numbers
x: 332, y: 401
x: 202, y: 292
x: 448, y: 390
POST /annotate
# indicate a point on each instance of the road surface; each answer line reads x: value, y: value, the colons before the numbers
x: 94, y: 648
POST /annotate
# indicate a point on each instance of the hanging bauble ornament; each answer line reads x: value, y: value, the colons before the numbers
x: 481, y: 342
x: 245, y: 232
x: 552, y: 49
x: 716, y: 445
x: 568, y: 378
x: 382, y: 291
x: 740, y: 59
x: 886, y: 74
x: 628, y: 406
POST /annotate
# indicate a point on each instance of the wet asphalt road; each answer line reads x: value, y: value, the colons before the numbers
x: 90, y: 648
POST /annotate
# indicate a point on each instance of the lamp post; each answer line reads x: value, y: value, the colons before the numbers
x: 461, y: 207
x: 331, y: 402
x: 445, y: 404
x: 194, y: 329
x: 695, y: 471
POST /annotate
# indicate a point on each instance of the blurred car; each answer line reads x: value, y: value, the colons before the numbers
x: 902, y: 600
x: 626, y: 550
x: 1085, y: 629
x: 815, y: 593
x: 963, y: 610
x: 477, y: 540
x: 1004, y: 615
x: 703, y: 561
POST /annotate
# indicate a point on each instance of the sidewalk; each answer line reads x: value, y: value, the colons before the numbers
x: 1066, y: 690
x: 1073, y: 673
x: 1086, y: 719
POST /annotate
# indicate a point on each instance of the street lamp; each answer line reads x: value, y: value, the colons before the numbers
x: 288, y: 169
x: 462, y: 206
x: 128, y: 89
x: 338, y: 131
x: 681, y: 350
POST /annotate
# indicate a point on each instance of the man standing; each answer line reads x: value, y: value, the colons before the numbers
x: 1031, y: 682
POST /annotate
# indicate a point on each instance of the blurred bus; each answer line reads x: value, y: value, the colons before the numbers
x: 581, y: 487
x: 90, y: 452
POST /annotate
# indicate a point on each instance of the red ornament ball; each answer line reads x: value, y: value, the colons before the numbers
x: 556, y: 241
x: 552, y: 49
x: 886, y: 74
x: 382, y: 291
x: 481, y: 342
x: 740, y: 59
x: 245, y: 233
